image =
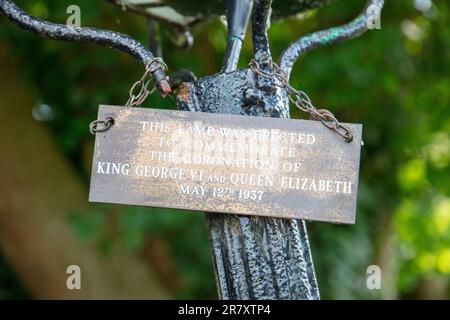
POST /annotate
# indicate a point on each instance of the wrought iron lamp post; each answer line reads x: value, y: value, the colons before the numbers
x: 254, y: 257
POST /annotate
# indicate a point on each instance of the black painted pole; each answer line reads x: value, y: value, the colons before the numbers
x: 254, y: 257
x: 238, y: 14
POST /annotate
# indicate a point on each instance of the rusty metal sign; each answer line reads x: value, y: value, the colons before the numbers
x: 226, y: 163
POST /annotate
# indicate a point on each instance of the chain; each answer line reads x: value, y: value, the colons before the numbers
x: 138, y: 93
x: 300, y: 99
x: 101, y: 125
x: 139, y: 90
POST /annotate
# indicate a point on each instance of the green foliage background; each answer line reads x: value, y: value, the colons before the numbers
x: 395, y: 81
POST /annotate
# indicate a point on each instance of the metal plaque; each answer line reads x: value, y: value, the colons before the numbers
x: 226, y: 163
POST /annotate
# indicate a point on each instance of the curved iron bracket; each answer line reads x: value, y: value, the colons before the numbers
x: 260, y: 25
x: 101, y: 37
x: 333, y: 35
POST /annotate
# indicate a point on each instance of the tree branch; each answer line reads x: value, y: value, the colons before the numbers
x: 104, y: 38
x: 333, y: 35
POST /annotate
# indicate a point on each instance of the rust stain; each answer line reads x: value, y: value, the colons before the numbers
x: 184, y: 92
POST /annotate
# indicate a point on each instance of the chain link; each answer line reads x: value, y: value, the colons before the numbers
x: 299, y: 98
x: 138, y: 93
x: 101, y: 125
x: 139, y: 90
